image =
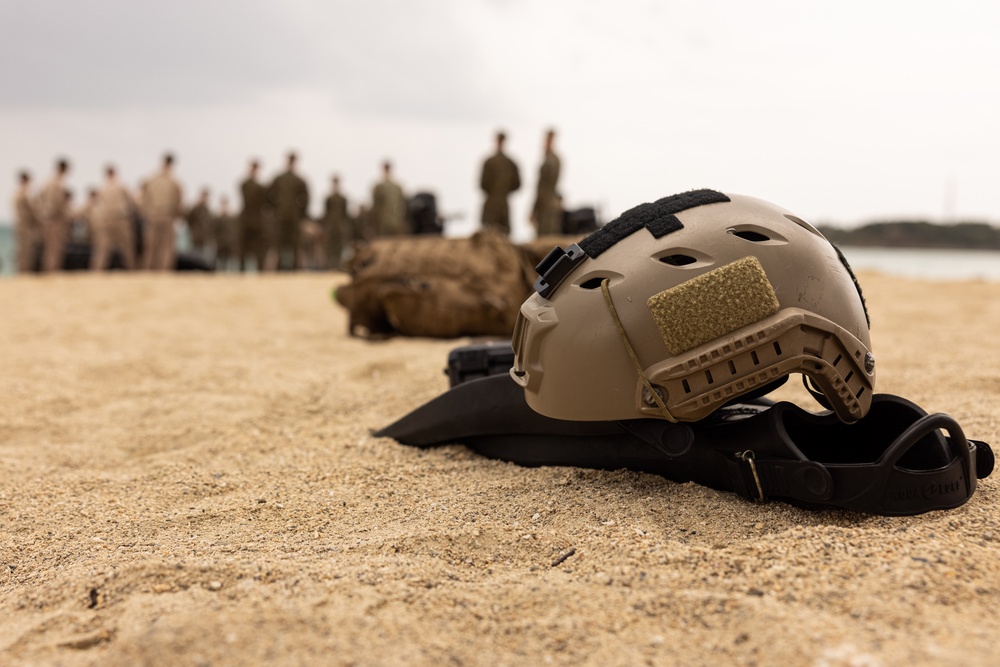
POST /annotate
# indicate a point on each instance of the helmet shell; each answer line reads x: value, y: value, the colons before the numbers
x: 717, y: 295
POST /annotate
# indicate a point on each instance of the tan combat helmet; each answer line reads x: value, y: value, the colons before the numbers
x: 677, y: 307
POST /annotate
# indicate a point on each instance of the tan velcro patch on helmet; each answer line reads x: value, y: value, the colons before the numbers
x: 713, y: 304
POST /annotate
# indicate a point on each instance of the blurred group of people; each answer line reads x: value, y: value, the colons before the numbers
x: 137, y: 228
x: 500, y: 178
x: 272, y: 230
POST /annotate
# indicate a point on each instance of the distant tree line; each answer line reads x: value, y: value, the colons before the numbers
x: 917, y: 234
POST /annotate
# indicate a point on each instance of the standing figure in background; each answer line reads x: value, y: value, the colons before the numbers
x: 161, y: 204
x: 111, y: 224
x: 252, y: 232
x: 546, y: 214
x: 289, y: 196
x: 499, y: 178
x: 335, y: 225
x: 53, y: 213
x: 199, y: 220
x: 26, y: 226
x: 226, y: 236
x: 388, y: 212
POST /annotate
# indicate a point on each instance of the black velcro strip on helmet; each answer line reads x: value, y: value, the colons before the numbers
x: 663, y: 226
x: 659, y: 218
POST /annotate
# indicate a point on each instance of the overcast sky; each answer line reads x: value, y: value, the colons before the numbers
x: 842, y: 112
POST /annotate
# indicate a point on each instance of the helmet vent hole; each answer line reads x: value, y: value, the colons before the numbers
x: 678, y: 260
x: 859, y: 392
x: 732, y: 367
x: 777, y: 348
x: 849, y: 376
x: 837, y: 360
x: 593, y: 283
x: 750, y: 235
x: 754, y: 358
x: 708, y: 376
x: 687, y: 387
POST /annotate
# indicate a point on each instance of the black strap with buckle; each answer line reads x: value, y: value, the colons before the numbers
x: 895, y: 461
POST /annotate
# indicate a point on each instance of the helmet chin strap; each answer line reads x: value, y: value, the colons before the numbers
x: 631, y: 353
x: 895, y: 461
x: 815, y: 392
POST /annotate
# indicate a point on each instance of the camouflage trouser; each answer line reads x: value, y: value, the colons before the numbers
x: 28, y: 237
x: 496, y: 215
x: 55, y: 236
x: 548, y: 214
x: 288, y: 238
x: 159, y: 255
x: 334, y: 244
x: 109, y: 235
x: 253, y: 243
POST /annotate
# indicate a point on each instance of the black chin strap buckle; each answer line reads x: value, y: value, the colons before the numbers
x: 748, y: 458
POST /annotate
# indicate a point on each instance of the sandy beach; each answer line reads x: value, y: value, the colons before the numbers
x: 188, y: 478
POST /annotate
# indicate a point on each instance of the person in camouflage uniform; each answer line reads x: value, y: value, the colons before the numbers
x: 53, y: 209
x: 335, y: 225
x: 499, y: 178
x: 252, y: 237
x: 161, y: 206
x: 199, y: 220
x: 546, y: 214
x: 111, y: 224
x: 289, y: 198
x: 226, y: 235
x: 388, y: 212
x: 26, y: 225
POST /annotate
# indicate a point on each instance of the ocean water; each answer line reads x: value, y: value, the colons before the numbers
x: 927, y: 263
x: 6, y: 250
x: 932, y: 264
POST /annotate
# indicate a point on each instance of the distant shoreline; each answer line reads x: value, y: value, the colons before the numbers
x: 901, y: 234
x: 917, y: 234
